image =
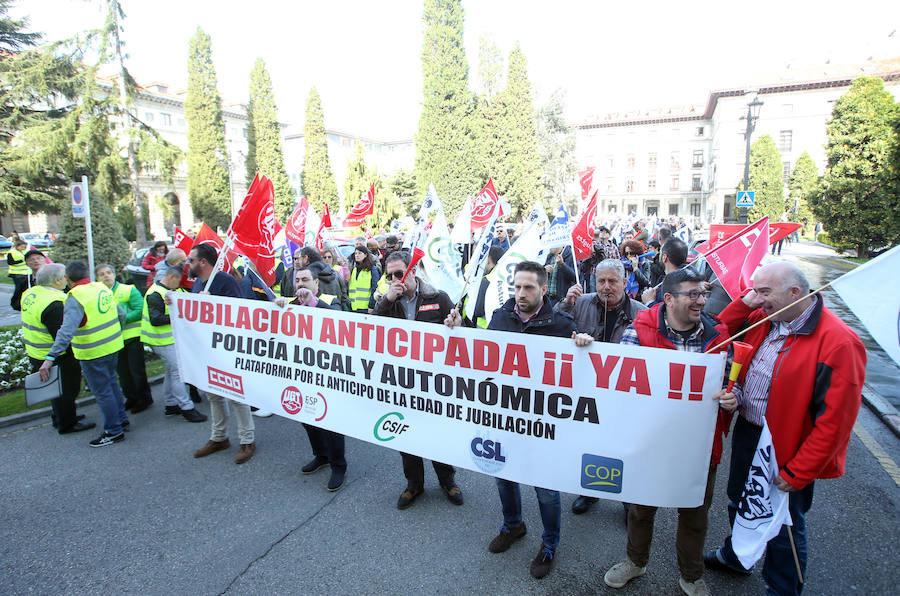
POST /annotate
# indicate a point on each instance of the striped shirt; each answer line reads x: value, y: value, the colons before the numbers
x: 754, y: 395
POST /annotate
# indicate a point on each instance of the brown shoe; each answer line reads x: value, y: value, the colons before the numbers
x: 212, y: 447
x: 245, y: 453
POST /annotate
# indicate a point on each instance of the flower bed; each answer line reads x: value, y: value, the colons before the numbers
x: 14, y: 363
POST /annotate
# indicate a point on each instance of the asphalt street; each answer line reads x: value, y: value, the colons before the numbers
x: 144, y: 516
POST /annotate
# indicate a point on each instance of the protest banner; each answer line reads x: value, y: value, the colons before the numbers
x: 619, y: 422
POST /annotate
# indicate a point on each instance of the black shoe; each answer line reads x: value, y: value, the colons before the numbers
x: 193, y: 415
x: 195, y: 395
x: 626, y: 507
x: 316, y: 464
x: 126, y: 425
x: 711, y: 561
x: 79, y: 417
x: 107, y: 439
x: 173, y: 411
x: 506, y: 537
x: 407, y: 497
x: 129, y: 403
x: 337, y: 480
x: 140, y: 406
x: 582, y: 504
x: 542, y: 563
x: 454, y: 494
x: 78, y: 427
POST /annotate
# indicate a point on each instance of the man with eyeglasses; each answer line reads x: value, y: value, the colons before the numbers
x: 677, y: 323
x: 415, y: 300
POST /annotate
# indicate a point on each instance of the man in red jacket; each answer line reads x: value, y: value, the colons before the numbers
x: 805, y: 380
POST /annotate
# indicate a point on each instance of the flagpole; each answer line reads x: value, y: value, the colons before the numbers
x: 218, y: 266
x: 794, y: 552
x: 761, y: 321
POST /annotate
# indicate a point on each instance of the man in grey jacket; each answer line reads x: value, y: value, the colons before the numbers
x: 604, y: 314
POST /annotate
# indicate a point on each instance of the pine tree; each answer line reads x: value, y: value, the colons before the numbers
x: 445, y: 146
x: 557, y: 147
x: 207, y: 178
x: 387, y: 207
x: 859, y: 201
x: 109, y: 244
x: 803, y: 184
x: 317, y: 178
x: 519, y: 178
x: 403, y: 185
x: 358, y: 179
x: 766, y: 180
x: 269, y: 155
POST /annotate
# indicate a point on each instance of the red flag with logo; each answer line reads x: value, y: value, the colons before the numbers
x: 483, y: 205
x: 326, y: 223
x: 295, y: 228
x: 365, y: 206
x: 252, y: 233
x: 182, y: 240
x: 735, y: 260
x: 583, y: 232
x: 587, y: 179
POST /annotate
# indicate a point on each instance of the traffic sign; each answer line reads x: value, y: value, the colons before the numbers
x: 79, y: 197
x: 746, y: 198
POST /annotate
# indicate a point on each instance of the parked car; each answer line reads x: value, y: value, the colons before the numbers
x: 133, y: 273
x: 37, y: 240
x: 5, y: 243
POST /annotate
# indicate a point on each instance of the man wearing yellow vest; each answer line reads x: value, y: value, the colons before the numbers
x: 33, y: 261
x: 91, y: 326
x: 156, y: 332
x: 42, y: 315
x: 132, y: 372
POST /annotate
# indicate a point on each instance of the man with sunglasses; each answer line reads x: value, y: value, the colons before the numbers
x: 677, y: 323
x: 415, y: 300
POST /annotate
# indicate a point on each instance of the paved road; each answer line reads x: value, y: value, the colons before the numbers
x: 145, y: 516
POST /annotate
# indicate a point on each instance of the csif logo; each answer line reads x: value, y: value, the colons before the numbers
x: 390, y: 426
x: 220, y: 378
x: 601, y: 473
x: 487, y: 454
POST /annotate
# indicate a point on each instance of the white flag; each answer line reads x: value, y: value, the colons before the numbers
x: 462, y: 229
x: 560, y: 231
x: 442, y: 263
x: 872, y: 291
x: 683, y: 234
x: 500, y: 281
x: 429, y: 204
x: 313, y: 223
x: 763, y: 508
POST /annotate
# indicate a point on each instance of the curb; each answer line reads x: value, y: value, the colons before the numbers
x: 30, y: 415
x: 881, y: 408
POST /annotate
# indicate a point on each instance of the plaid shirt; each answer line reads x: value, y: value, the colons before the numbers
x: 610, y: 250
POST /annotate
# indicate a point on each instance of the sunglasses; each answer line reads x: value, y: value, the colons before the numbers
x: 326, y: 256
x: 396, y: 274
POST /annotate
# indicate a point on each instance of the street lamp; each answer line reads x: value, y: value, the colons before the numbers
x: 751, y: 118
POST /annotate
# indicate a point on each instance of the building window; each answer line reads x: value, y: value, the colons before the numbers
x: 148, y: 116
x: 244, y: 132
x: 785, y: 140
x: 673, y: 185
x: 700, y: 130
x: 651, y: 161
x: 610, y: 161
x: 652, y: 210
x: 673, y: 209
x: 630, y: 162
x: 695, y: 183
x: 695, y: 209
x: 785, y: 171
x: 610, y: 185
x: 165, y: 119
x: 181, y: 122
x: 651, y: 185
x: 675, y: 161
x: 697, y: 159
x: 629, y: 185
x: 632, y: 209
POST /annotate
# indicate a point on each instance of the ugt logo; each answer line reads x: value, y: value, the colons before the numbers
x: 601, y: 473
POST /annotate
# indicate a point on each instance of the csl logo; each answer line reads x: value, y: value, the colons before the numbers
x: 225, y: 380
x: 104, y: 301
x: 390, y: 426
x: 291, y: 400
x: 601, y: 473
x: 487, y: 454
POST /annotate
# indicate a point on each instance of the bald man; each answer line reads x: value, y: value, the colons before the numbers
x: 805, y: 381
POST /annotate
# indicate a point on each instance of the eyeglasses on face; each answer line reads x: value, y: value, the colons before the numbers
x: 694, y: 295
x: 396, y: 274
x: 326, y: 256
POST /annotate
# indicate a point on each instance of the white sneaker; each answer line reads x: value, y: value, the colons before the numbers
x: 697, y: 588
x: 622, y: 573
x: 262, y: 413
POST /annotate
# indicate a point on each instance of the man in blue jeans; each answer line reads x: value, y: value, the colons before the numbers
x: 91, y: 324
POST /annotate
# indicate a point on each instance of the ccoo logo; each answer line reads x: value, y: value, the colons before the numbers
x: 390, y: 426
x: 487, y: 454
x: 601, y: 473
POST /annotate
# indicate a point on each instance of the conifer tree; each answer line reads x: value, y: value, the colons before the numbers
x: 109, y: 244
x: 556, y: 141
x: 207, y: 178
x: 445, y: 145
x: 317, y: 178
x: 267, y: 132
x: 766, y: 180
x: 403, y: 184
x: 803, y: 184
x: 859, y: 202
x: 358, y: 179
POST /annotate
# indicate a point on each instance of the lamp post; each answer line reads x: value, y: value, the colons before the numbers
x: 751, y: 118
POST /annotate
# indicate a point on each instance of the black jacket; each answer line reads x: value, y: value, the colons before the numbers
x: 545, y: 322
x: 432, y: 306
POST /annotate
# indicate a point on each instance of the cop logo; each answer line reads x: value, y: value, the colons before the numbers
x: 390, y: 426
x: 601, y: 473
x: 104, y: 301
x: 487, y: 454
x: 291, y: 400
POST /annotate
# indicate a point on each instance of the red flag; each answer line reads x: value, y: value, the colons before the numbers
x: 253, y: 230
x: 737, y: 258
x: 365, y: 206
x: 206, y: 235
x: 719, y: 233
x: 587, y: 178
x: 583, y: 232
x: 295, y: 228
x: 483, y: 205
x: 326, y: 223
x: 782, y: 229
x: 182, y: 240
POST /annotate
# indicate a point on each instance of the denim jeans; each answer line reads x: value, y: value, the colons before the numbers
x: 548, y: 501
x: 100, y: 374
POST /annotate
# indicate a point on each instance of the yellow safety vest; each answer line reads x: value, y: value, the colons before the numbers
x: 18, y: 267
x: 360, y: 289
x: 123, y: 296
x: 327, y: 298
x: 35, y: 301
x: 101, y: 335
x: 155, y: 335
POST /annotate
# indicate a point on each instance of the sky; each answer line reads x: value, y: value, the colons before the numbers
x: 364, y: 57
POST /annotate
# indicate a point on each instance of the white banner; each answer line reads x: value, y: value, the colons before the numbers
x: 501, y: 286
x: 618, y: 422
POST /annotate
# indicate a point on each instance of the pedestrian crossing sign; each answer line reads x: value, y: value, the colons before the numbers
x: 746, y: 198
